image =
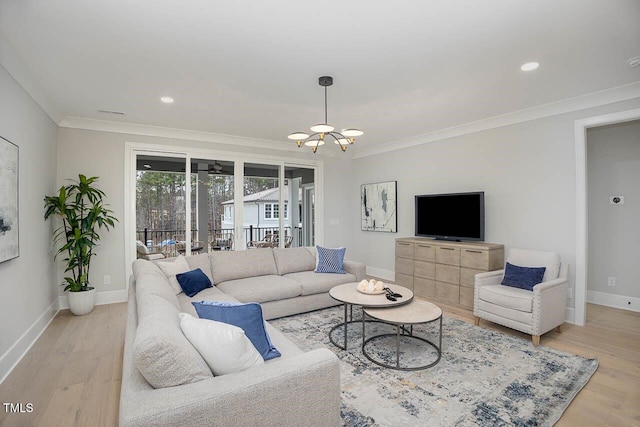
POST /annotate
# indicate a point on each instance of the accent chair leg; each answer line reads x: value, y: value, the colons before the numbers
x: 536, y: 340
x: 559, y: 329
x: 476, y: 320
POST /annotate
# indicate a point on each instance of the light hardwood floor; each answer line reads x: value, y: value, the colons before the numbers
x: 72, y: 374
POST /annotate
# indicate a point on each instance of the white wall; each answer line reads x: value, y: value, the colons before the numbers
x: 102, y: 154
x: 613, y: 168
x: 527, y: 171
x: 26, y: 283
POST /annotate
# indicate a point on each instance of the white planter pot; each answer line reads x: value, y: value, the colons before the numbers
x: 81, y: 303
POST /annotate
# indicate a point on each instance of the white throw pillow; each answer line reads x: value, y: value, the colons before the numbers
x: 171, y: 268
x: 224, y: 347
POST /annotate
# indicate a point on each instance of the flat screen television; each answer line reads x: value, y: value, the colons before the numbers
x: 453, y: 216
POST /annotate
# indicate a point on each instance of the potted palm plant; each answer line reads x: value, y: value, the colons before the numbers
x: 80, y: 206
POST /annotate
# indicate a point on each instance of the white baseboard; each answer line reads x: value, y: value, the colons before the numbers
x: 381, y: 273
x: 616, y: 301
x: 570, y: 315
x: 16, y: 352
x: 106, y: 297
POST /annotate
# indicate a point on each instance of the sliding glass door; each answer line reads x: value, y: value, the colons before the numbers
x: 161, y: 193
x: 214, y: 204
x: 188, y: 204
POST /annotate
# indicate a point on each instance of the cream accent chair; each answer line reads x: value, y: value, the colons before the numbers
x: 143, y: 252
x: 533, y: 312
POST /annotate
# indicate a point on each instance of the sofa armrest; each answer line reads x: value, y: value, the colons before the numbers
x: 488, y: 278
x: 299, y: 390
x: 550, y: 284
x: 358, y: 269
x: 549, y: 305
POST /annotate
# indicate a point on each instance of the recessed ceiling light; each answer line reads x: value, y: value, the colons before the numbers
x: 167, y: 99
x: 529, y: 66
x: 634, y: 62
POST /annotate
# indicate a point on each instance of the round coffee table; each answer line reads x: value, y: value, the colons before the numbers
x: 349, y: 295
x: 417, y: 312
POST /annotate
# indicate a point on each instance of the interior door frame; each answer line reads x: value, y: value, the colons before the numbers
x: 582, y: 253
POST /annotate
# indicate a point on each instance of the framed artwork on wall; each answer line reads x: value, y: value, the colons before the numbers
x: 378, y: 207
x: 9, y: 243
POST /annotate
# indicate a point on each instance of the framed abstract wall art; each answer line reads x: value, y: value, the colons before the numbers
x: 378, y: 207
x: 9, y: 247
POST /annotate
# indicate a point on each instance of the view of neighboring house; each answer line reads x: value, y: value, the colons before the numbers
x: 261, y: 210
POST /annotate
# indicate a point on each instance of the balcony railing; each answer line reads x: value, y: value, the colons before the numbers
x: 165, y: 240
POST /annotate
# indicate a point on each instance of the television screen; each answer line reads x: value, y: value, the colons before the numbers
x: 457, y: 217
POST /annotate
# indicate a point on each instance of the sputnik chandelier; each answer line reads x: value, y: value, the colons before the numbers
x: 322, y: 130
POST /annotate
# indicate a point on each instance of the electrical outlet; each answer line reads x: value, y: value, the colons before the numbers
x: 611, y: 281
x: 107, y: 279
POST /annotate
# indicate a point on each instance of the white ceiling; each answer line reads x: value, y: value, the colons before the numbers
x: 250, y: 68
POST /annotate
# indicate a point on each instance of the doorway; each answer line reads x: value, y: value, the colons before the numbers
x: 580, y: 129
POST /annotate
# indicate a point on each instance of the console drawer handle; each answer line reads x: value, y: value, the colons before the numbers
x: 474, y: 252
x: 424, y: 246
x: 403, y: 244
x: 448, y: 249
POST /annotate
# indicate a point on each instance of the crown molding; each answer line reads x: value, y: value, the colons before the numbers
x: 15, y: 66
x: 174, y: 133
x: 595, y: 99
x: 165, y: 132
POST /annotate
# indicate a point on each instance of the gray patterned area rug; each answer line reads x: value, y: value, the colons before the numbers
x: 484, y: 378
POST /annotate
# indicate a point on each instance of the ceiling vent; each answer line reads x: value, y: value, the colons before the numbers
x: 117, y: 113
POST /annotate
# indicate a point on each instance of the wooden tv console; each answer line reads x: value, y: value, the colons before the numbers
x: 444, y: 271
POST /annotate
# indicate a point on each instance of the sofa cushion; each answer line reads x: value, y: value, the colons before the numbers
x: 173, y: 268
x: 247, y: 316
x: 316, y: 283
x: 522, y: 277
x: 201, y: 261
x: 232, y: 265
x: 531, y: 258
x: 193, y: 282
x: 151, y: 281
x: 161, y: 352
x: 224, y: 347
x: 261, y: 288
x: 209, y: 294
x: 506, y: 296
x: 293, y: 260
x: 330, y: 260
x: 499, y: 314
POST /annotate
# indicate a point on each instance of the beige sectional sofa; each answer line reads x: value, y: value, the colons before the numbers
x: 165, y: 381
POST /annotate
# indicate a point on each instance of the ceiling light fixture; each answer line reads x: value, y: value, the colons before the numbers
x: 167, y: 99
x: 321, y: 130
x: 529, y: 66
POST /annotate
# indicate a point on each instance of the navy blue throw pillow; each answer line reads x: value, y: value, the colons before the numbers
x: 522, y: 277
x: 193, y: 281
x: 248, y: 317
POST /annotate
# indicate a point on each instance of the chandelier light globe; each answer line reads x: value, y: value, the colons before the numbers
x: 314, y: 143
x: 297, y: 136
x: 321, y: 130
x: 352, y: 132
